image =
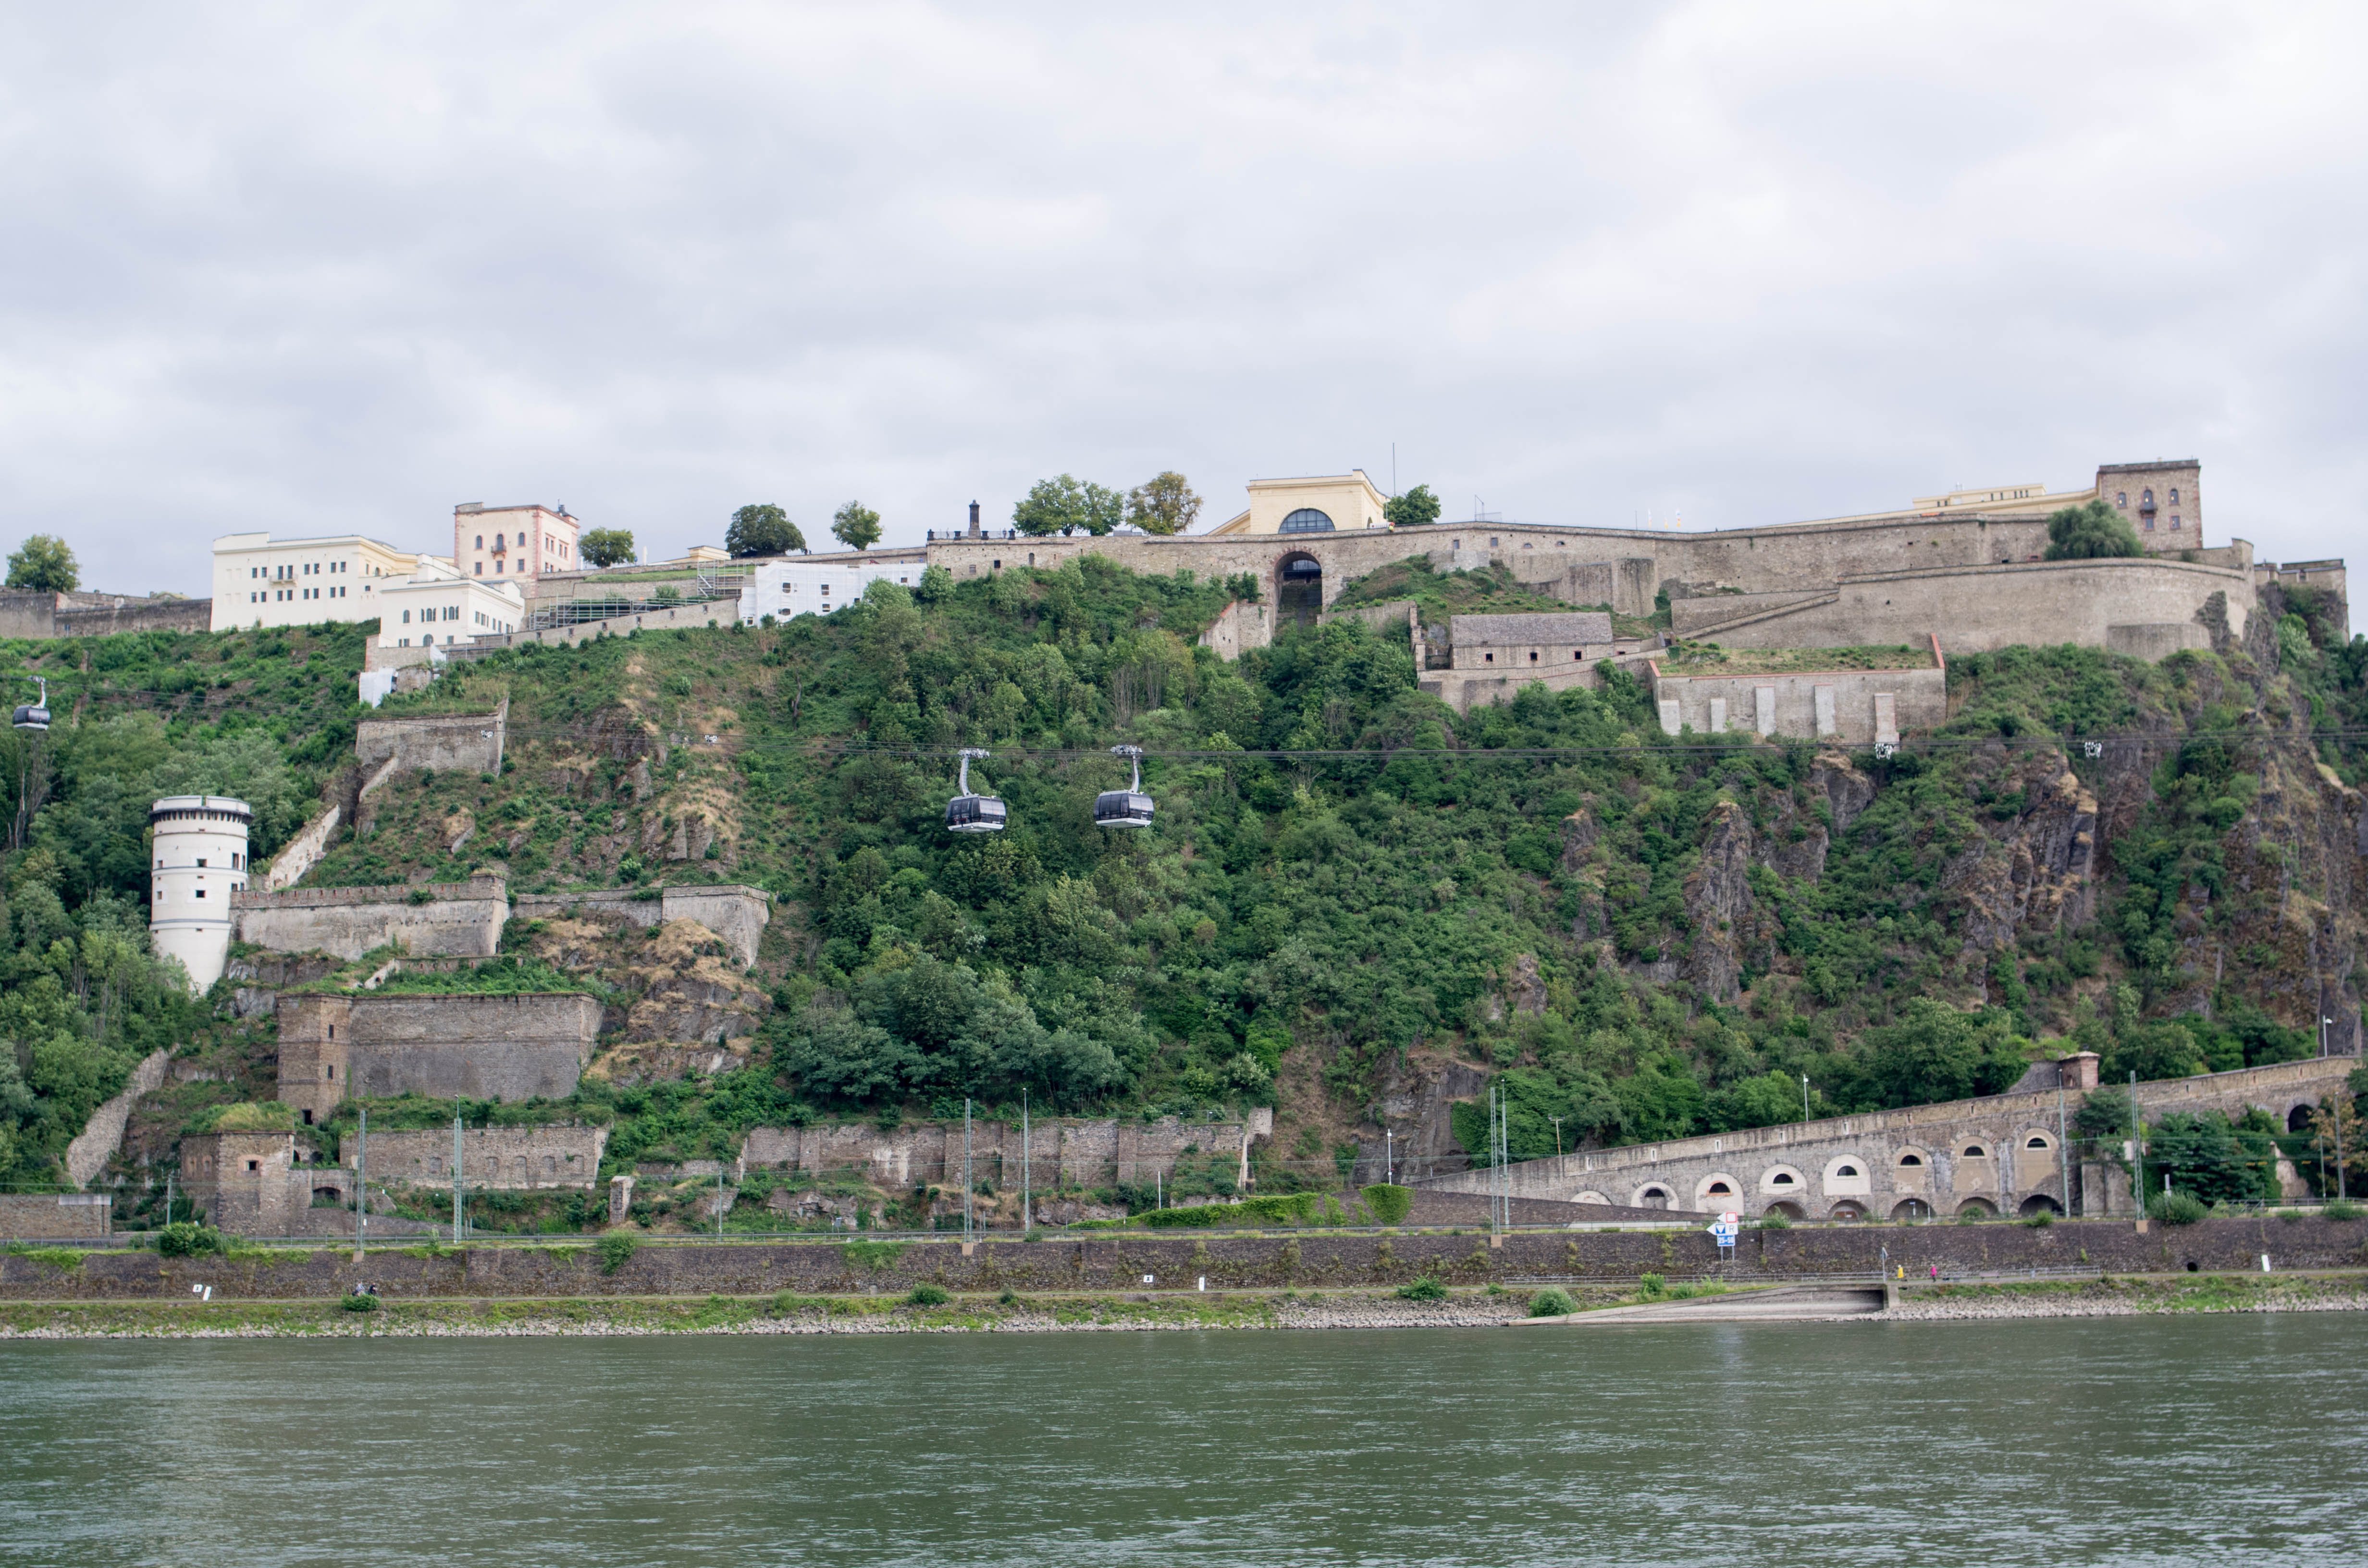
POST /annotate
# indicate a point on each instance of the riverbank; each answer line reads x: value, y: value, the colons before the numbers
x: 789, y: 1315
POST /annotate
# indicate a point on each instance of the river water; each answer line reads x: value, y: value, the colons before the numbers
x: 2152, y: 1440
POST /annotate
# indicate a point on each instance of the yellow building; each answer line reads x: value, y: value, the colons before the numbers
x: 1327, y: 503
x: 260, y: 580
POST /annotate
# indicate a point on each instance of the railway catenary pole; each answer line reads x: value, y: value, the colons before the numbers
x: 456, y: 1179
x: 2063, y: 1154
x: 966, y: 1184
x: 1027, y: 1197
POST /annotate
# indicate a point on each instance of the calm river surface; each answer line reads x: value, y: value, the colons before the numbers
x: 2231, y: 1440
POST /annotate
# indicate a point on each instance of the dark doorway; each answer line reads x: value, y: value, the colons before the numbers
x: 1299, y: 589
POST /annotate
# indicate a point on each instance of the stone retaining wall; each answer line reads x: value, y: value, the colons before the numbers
x: 54, y: 1216
x: 464, y: 920
x: 1304, y: 1259
x: 736, y: 913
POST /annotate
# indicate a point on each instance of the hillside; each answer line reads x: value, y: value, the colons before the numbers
x: 1642, y: 938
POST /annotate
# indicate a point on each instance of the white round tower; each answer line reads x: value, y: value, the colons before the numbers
x: 200, y: 855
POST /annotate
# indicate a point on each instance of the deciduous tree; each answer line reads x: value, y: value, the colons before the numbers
x: 1163, y: 505
x: 763, y: 530
x: 856, y: 525
x: 1412, y: 509
x: 607, y: 547
x: 2088, y: 532
x: 44, y: 564
x: 1064, y: 504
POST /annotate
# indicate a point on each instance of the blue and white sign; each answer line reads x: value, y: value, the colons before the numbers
x: 1723, y: 1233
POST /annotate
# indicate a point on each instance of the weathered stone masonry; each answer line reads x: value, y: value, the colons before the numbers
x: 461, y: 919
x: 484, y: 1047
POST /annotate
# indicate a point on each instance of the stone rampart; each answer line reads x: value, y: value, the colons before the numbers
x: 1855, y: 706
x: 497, y: 1158
x: 103, y: 1134
x: 1178, y: 1263
x: 1980, y: 608
x: 738, y: 913
x: 464, y: 919
x: 55, y: 1216
x: 1088, y: 1152
x: 2002, y: 1154
x: 511, y: 1047
x: 469, y: 743
x: 33, y: 614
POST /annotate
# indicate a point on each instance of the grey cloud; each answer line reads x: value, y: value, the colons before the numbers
x: 300, y: 270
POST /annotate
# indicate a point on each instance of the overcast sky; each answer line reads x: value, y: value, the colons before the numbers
x: 320, y: 270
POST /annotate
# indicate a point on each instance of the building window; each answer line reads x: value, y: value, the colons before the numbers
x: 481, y: 568
x: 2174, y: 521
x: 481, y: 541
x: 2174, y: 495
x: 1306, y: 520
x: 2146, y: 497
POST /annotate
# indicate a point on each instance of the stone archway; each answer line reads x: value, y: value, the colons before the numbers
x: 1847, y: 1210
x: 1789, y: 1210
x: 2039, y: 1203
x: 2298, y: 1118
x: 1298, y: 588
x: 1977, y: 1208
x: 1911, y: 1209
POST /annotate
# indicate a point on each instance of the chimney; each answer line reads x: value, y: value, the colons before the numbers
x: 973, y: 519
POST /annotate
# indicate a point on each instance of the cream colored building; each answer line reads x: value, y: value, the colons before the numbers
x: 1344, y: 503
x: 2162, y: 501
x: 260, y: 580
x: 436, y: 607
x: 513, y: 543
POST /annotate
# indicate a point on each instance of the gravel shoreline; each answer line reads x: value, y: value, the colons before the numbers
x: 612, y: 1319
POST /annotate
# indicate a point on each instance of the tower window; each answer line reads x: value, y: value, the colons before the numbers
x: 2174, y: 495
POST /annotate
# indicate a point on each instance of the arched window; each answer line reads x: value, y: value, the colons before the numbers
x: 1654, y: 1192
x: 2146, y: 497
x: 1720, y: 1187
x: 2174, y: 495
x: 1307, y: 520
x: 1976, y: 1151
x: 2121, y: 498
x: 1911, y: 1159
x: 2036, y: 1142
x: 1845, y: 1170
x: 1781, y: 1178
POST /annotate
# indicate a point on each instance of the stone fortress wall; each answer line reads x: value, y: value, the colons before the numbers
x: 2001, y: 1154
x: 736, y: 913
x: 509, y: 1046
x: 1059, y: 1150
x: 461, y: 919
x: 513, y: 1159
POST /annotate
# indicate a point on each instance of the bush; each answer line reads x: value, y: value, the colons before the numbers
x: 186, y: 1238
x: 1280, y: 1209
x: 2177, y: 1209
x: 1010, y: 1298
x: 2341, y: 1209
x: 2042, y: 1219
x: 360, y: 1302
x: 926, y: 1295
x: 1427, y: 1288
x: 1777, y: 1221
x: 616, y: 1250
x: 1390, y: 1204
x: 1554, y: 1301
x: 1652, y: 1287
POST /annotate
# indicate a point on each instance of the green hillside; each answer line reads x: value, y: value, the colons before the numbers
x: 1645, y: 937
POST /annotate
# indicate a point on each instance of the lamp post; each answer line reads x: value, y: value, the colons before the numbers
x: 1389, y: 1156
x: 1804, y: 1097
x: 1557, y: 1121
x: 2324, y: 1021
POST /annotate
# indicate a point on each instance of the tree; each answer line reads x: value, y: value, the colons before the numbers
x: 607, y: 547
x: 45, y: 565
x: 857, y: 525
x: 1063, y: 505
x: 762, y: 530
x: 1413, y: 509
x: 1163, y: 505
x: 2088, y: 532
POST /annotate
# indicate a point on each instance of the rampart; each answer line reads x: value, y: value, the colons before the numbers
x: 464, y: 920
x: 1856, y: 707
x: 496, y: 1158
x: 736, y: 913
x: 55, y: 1216
x: 2134, y: 604
x: 1327, y: 1260
x: 507, y: 1047
x: 469, y: 744
x: 32, y: 614
x: 1059, y: 1150
x: 2002, y: 1154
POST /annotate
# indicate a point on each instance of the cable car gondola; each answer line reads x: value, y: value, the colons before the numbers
x: 35, y: 716
x: 967, y: 813
x: 1129, y: 807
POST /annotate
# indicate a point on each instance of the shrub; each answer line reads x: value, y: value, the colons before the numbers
x: 1554, y: 1301
x: 2341, y: 1209
x: 186, y: 1238
x: 360, y: 1302
x: 617, y: 1250
x: 2042, y: 1219
x: 1010, y: 1298
x: 873, y: 1256
x: 1427, y: 1288
x: 927, y: 1295
x: 1652, y: 1287
x: 1390, y: 1204
x: 1778, y: 1220
x: 1277, y: 1209
x: 2177, y: 1209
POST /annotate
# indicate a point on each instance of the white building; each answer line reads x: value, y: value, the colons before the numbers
x: 260, y: 580
x: 435, y: 606
x: 200, y: 855
x: 513, y: 543
x: 815, y: 584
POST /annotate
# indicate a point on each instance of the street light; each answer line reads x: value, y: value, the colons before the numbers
x: 2323, y: 1023
x: 1804, y: 1097
x: 1389, y: 1156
